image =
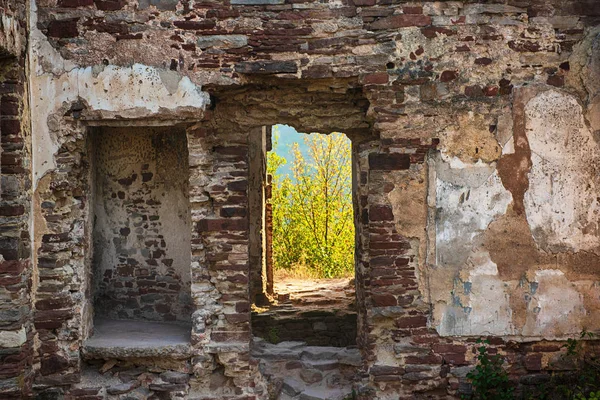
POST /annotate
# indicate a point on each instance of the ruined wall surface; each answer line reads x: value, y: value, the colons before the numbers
x: 475, y: 133
x: 141, y: 264
x: 16, y: 330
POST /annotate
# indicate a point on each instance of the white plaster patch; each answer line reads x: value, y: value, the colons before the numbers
x: 556, y: 307
x: 562, y: 203
x: 468, y: 198
x: 466, y: 205
x: 480, y: 303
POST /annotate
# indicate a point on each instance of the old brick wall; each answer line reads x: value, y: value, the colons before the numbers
x: 16, y: 330
x: 141, y: 232
x: 445, y: 104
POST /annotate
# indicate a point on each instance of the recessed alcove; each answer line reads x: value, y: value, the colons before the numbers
x: 140, y: 268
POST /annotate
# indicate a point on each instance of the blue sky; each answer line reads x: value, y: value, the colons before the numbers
x: 287, y: 137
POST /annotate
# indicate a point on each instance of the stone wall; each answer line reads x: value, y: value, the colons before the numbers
x: 141, y: 265
x: 16, y: 330
x: 475, y: 176
x: 314, y: 327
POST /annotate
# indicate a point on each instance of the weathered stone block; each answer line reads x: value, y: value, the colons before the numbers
x: 165, y: 5
x: 267, y: 67
x: 110, y: 5
x: 401, y: 21
x: 195, y: 25
x: 389, y: 162
x: 75, y: 3
x: 222, y: 41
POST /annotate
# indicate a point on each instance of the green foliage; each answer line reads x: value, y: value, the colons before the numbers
x: 584, y: 384
x: 312, y: 210
x: 489, y: 380
x: 273, y: 335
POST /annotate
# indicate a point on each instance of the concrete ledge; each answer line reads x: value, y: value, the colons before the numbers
x: 137, y: 339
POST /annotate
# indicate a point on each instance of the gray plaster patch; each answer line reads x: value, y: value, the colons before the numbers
x: 222, y: 41
x: 170, y: 80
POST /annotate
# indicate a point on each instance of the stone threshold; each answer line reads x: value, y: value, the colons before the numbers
x: 122, y: 339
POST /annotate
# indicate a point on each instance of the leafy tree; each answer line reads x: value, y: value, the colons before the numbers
x: 312, y: 210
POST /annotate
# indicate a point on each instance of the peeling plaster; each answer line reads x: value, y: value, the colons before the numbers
x: 467, y: 201
x: 481, y: 304
x: 562, y: 204
x: 554, y: 307
x: 132, y: 92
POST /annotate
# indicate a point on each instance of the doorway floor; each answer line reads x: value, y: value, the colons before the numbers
x: 320, y: 312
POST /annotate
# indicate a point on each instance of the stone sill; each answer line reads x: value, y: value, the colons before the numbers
x: 137, y: 339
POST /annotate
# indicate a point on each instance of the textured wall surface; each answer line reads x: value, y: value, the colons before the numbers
x: 475, y: 130
x: 141, y: 264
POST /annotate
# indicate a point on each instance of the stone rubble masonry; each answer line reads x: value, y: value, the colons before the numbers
x: 16, y: 330
x: 459, y: 113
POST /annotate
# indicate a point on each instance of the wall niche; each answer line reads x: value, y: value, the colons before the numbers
x: 141, y: 227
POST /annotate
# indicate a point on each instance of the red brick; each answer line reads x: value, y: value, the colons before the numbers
x: 431, y: 32
x: 12, y: 267
x: 379, y: 78
x: 448, y: 76
x: 455, y: 358
x: 10, y: 127
x: 9, y: 106
x: 110, y: 5
x: 430, y: 359
x: 483, y: 61
x: 449, y: 348
x: 53, y: 364
x: 533, y: 362
x: 556, y: 80
x: 416, y: 321
x: 380, y: 213
x: 389, y: 162
x: 490, y: 91
x: 63, y: 29
x: 11, y: 211
x: 384, y: 300
x: 412, y: 10
x: 195, y: 25
x: 229, y: 224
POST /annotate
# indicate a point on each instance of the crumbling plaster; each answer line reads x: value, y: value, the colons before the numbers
x: 538, y: 287
x: 108, y: 92
x: 446, y: 80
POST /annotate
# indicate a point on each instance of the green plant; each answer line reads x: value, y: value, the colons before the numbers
x: 584, y: 382
x: 313, y: 227
x: 273, y: 335
x: 489, y: 380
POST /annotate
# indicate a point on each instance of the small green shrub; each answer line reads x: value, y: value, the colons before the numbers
x: 584, y: 383
x: 489, y: 380
x: 273, y: 335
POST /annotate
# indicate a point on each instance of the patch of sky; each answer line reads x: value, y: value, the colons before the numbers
x: 284, y: 137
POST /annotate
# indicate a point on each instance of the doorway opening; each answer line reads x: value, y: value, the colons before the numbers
x: 309, y: 240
